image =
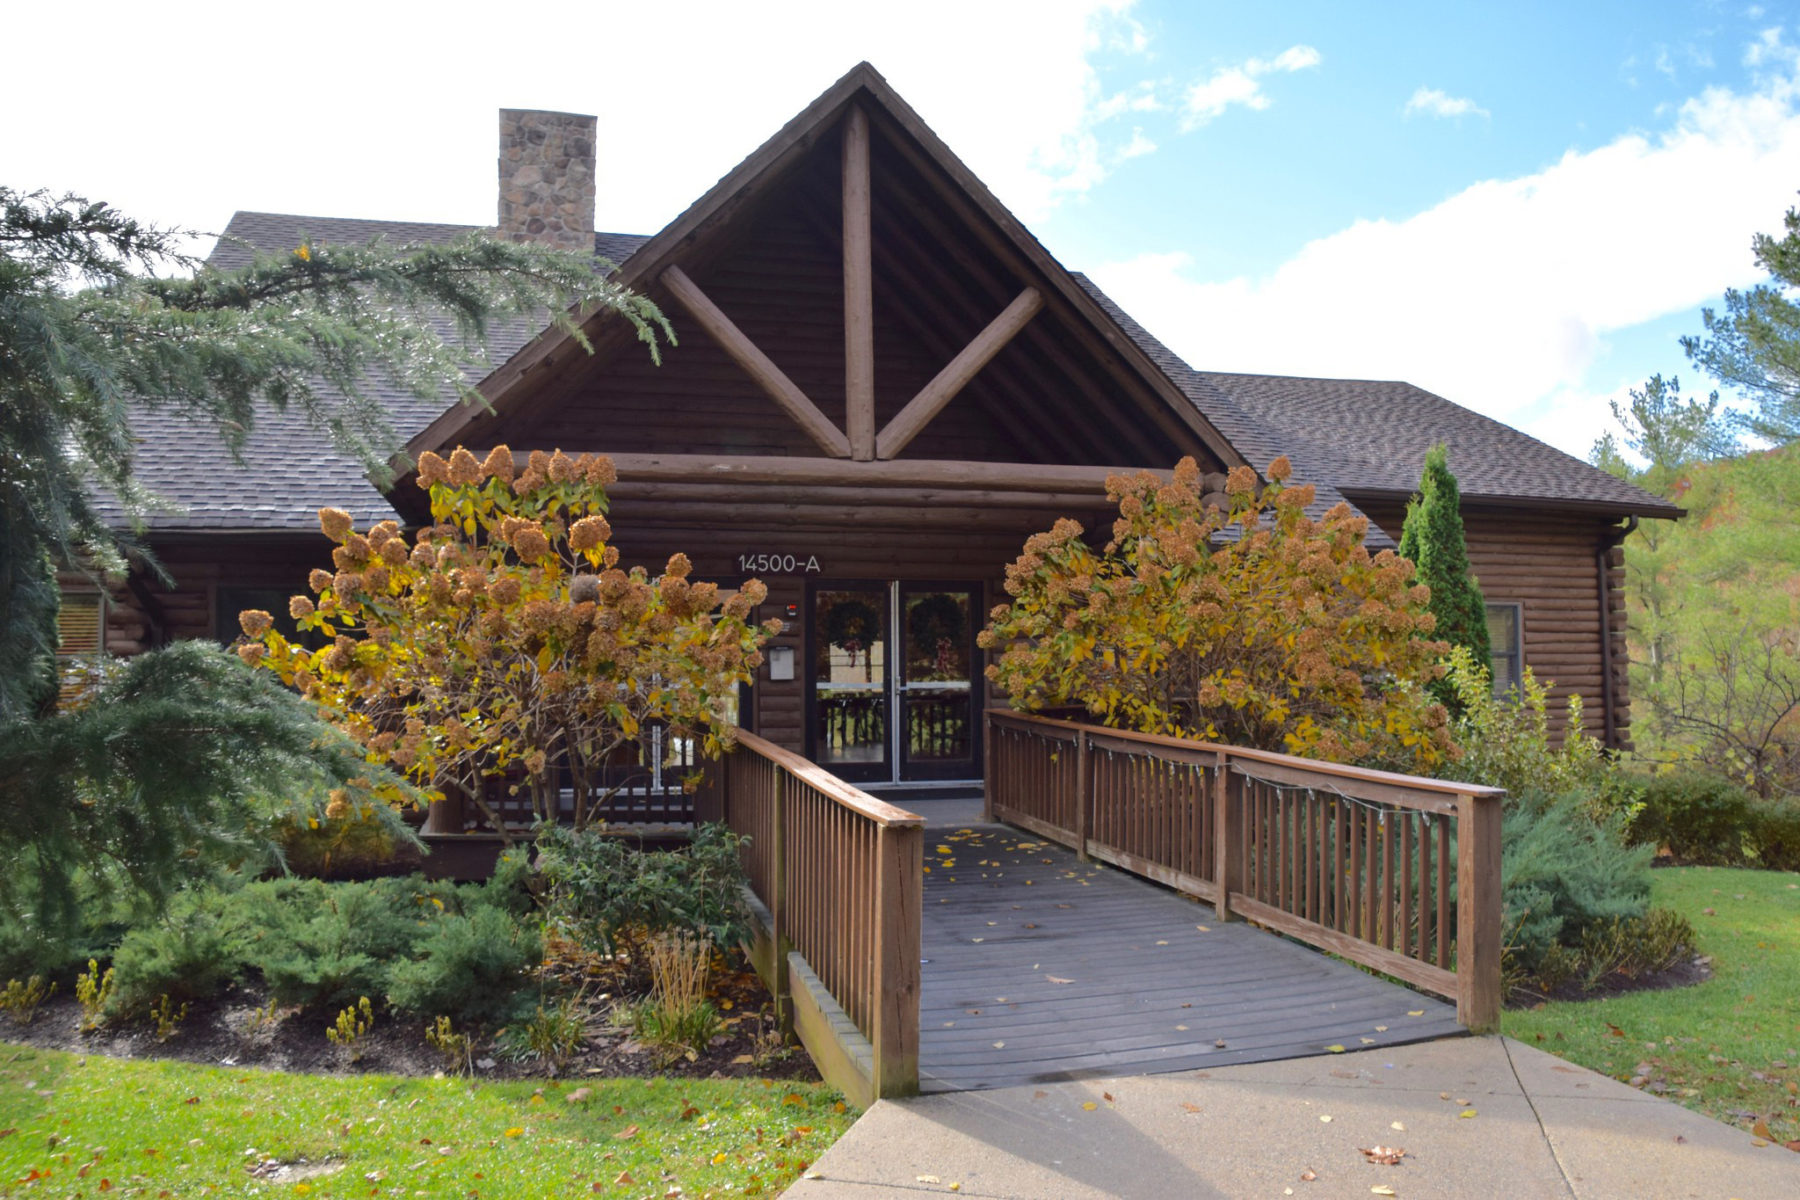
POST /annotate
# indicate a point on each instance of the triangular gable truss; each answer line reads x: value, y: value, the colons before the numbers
x: 857, y: 105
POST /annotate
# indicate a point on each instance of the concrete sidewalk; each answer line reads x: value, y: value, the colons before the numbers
x: 1538, y: 1127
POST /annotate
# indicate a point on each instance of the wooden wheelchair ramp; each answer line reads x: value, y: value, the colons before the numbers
x: 1040, y: 967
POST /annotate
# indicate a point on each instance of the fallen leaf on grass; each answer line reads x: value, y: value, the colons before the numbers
x: 515, y: 1131
x: 624, y: 1178
x: 1387, y: 1156
x: 1761, y: 1130
x: 626, y: 1134
x: 578, y: 1095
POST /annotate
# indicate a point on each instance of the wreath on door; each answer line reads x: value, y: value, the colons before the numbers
x: 938, y: 625
x: 853, y: 625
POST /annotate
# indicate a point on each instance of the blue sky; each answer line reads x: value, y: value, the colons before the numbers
x: 1520, y: 206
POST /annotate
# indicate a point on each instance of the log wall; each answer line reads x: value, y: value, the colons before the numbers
x: 1547, y: 564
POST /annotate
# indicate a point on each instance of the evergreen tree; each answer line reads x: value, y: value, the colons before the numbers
x: 1755, y: 344
x: 1432, y: 539
x: 164, y: 767
x: 88, y: 334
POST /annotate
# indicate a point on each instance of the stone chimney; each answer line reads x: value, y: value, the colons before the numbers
x: 547, y: 178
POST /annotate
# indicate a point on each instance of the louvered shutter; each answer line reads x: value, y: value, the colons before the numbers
x: 81, y: 633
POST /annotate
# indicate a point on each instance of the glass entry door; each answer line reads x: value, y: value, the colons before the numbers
x: 850, y: 681
x: 937, y: 687
x: 892, y: 670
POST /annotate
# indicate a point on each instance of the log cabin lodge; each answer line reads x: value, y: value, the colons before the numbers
x: 884, y: 384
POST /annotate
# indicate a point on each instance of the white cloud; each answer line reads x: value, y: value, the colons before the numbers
x: 1241, y: 84
x: 1502, y: 297
x: 1435, y: 103
x: 411, y: 134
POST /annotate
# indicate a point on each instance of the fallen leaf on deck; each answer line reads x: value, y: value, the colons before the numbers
x: 1417, y: 1012
x: 999, y: 1045
x: 1193, y: 1108
x: 928, y: 1179
x: 1398, y: 1126
x: 1382, y: 1189
x: 1335, y: 1048
x: 1220, y: 1043
x: 1325, y: 1117
x: 1088, y: 1106
x: 1058, y: 979
x: 1106, y: 1096
x: 1387, y: 1156
x: 1308, y: 1175
x: 1381, y: 1029
x: 1466, y: 1113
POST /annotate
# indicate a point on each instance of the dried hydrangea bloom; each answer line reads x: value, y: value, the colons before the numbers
x: 319, y: 579
x: 465, y: 471
x: 589, y: 533
x: 498, y: 464
x: 255, y: 622
x: 335, y: 522
x: 530, y: 543
x: 433, y: 470
x: 299, y: 607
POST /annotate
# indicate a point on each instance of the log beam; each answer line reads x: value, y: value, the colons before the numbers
x: 825, y: 472
x: 932, y: 398
x: 859, y: 291
x: 784, y: 391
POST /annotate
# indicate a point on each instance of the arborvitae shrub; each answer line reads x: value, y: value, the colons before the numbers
x: 471, y: 968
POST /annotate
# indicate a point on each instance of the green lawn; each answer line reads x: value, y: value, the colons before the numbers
x: 72, y: 1126
x: 1729, y: 1047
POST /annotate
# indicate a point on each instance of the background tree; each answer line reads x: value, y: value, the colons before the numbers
x: 1432, y: 540
x: 1754, y: 345
x: 506, y: 638
x: 1256, y: 625
x: 1666, y: 432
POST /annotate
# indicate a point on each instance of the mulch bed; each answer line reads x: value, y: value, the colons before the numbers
x: 219, y: 1032
x: 1685, y: 973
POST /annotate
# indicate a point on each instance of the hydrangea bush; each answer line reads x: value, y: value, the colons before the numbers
x: 505, y: 639
x: 1250, y: 622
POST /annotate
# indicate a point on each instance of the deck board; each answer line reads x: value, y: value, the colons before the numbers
x: 1141, y: 962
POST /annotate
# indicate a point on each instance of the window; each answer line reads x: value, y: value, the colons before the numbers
x: 228, y: 602
x: 80, y: 640
x: 1506, y: 641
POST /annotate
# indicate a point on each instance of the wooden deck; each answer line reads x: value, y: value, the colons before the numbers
x: 1039, y: 967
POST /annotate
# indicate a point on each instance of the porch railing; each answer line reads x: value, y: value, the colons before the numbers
x: 835, y: 875
x: 1396, y: 872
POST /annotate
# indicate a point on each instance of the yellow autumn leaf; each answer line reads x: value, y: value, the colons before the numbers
x: 1466, y: 1113
x: 1335, y: 1048
x: 515, y: 1131
x: 1088, y: 1106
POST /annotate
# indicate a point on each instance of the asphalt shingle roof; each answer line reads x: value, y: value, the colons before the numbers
x: 1347, y: 437
x: 288, y: 470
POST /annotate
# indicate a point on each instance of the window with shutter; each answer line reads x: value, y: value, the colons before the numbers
x: 81, y: 634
